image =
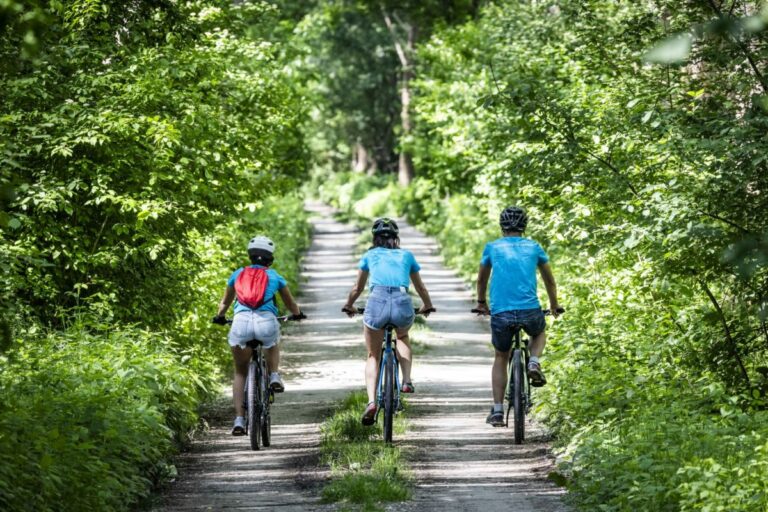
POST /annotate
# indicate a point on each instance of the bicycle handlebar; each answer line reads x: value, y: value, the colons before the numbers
x: 285, y: 318
x: 546, y: 312
x: 360, y: 311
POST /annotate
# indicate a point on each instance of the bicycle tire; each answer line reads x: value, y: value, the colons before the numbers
x: 266, y: 419
x: 254, y: 405
x: 389, y: 397
x: 518, y: 403
x: 508, y: 392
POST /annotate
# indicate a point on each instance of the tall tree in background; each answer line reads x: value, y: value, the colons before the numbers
x: 406, y: 22
x: 357, y: 59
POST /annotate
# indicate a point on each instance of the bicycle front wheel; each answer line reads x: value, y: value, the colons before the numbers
x: 389, y: 397
x: 253, y: 401
x: 266, y: 419
x: 518, y: 403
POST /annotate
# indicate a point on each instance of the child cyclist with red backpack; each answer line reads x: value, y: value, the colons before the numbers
x: 254, y: 289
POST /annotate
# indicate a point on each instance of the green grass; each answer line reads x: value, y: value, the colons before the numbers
x: 365, y: 472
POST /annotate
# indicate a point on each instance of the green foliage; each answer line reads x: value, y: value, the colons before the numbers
x: 88, y: 419
x: 122, y: 150
x: 365, y: 471
x: 642, y: 183
x: 141, y: 145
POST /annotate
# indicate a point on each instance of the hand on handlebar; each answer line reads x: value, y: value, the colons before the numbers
x: 300, y: 316
x: 481, y: 309
x: 349, y: 310
x: 555, y: 310
x: 426, y: 311
x: 219, y: 320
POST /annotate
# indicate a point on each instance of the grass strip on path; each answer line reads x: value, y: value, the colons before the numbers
x: 365, y: 471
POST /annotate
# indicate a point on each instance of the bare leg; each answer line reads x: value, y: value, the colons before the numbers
x: 373, y: 339
x: 272, y: 356
x: 537, y: 344
x: 499, y: 376
x: 242, y: 357
x: 404, y: 353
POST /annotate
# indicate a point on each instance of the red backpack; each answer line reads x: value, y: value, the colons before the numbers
x: 250, y: 286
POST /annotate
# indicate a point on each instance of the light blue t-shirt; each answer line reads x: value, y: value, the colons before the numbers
x: 275, y: 283
x: 513, y: 279
x: 388, y: 267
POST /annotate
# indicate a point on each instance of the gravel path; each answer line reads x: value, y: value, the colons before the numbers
x: 459, y: 462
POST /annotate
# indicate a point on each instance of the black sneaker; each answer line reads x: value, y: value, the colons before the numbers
x: 536, y: 375
x: 496, y: 418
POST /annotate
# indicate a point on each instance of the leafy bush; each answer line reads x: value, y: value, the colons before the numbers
x: 88, y: 420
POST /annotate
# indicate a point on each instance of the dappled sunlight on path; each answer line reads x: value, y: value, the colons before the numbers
x: 459, y: 463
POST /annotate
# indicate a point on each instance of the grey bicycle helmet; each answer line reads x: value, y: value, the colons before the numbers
x: 513, y: 218
x: 385, y: 227
x: 261, y: 250
x: 261, y: 243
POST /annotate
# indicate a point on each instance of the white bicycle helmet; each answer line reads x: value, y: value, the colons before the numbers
x: 263, y: 243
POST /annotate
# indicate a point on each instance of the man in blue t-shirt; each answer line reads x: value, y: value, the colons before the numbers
x: 514, y: 260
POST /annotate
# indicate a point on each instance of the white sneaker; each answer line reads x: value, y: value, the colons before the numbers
x: 276, y: 383
x: 239, y: 428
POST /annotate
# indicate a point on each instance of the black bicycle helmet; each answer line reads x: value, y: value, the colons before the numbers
x: 513, y: 219
x: 385, y: 227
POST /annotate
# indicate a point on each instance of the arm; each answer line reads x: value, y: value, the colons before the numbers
x: 357, y: 289
x: 226, y: 301
x: 549, y: 282
x: 482, y: 286
x: 285, y: 294
x: 423, y: 293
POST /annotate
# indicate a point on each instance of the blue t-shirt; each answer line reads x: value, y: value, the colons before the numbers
x: 389, y: 267
x: 275, y: 282
x: 513, y: 280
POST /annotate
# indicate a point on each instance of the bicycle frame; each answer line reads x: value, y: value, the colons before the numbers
x: 258, y: 421
x: 519, y: 343
x: 389, y: 376
x: 389, y: 351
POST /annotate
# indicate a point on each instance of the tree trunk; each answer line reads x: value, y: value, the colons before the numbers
x: 405, y: 170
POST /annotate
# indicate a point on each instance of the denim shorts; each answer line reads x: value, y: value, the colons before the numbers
x: 505, y: 324
x: 388, y: 305
x: 254, y: 325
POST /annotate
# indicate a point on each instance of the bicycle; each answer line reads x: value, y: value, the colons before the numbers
x: 518, y: 391
x: 258, y: 395
x: 388, y: 387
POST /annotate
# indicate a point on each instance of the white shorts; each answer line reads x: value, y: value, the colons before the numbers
x: 254, y: 325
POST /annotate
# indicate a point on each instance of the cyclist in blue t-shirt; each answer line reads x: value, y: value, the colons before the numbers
x: 255, y: 324
x: 391, y: 270
x: 514, y: 260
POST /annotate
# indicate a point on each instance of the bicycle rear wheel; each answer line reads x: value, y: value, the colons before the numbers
x: 518, y: 403
x: 253, y: 400
x: 389, y: 396
x: 266, y: 419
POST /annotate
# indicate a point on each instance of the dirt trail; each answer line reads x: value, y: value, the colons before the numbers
x: 459, y: 462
